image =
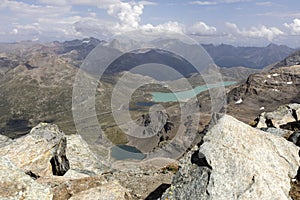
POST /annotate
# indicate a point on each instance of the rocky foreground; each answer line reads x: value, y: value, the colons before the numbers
x: 234, y: 161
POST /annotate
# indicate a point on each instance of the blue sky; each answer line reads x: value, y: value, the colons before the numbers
x: 237, y: 22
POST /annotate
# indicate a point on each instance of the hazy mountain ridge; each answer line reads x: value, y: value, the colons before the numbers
x: 226, y: 55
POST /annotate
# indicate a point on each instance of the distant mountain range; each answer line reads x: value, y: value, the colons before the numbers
x: 251, y: 57
x: 223, y: 55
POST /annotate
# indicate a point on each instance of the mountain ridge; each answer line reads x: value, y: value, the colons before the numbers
x: 226, y: 55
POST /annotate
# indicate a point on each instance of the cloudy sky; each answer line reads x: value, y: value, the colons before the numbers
x: 237, y: 22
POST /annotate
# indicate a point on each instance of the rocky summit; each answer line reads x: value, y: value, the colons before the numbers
x: 36, y: 167
x: 236, y: 161
x: 233, y: 161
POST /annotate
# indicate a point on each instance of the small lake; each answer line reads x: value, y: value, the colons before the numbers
x: 145, y: 104
x: 184, y: 95
x: 123, y: 152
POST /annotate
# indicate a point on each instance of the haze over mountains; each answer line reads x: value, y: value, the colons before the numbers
x: 223, y: 55
x: 252, y: 57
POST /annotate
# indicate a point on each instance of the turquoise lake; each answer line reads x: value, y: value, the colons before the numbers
x: 183, y: 95
x: 123, y: 152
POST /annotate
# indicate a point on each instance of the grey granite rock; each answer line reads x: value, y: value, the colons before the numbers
x: 16, y: 185
x: 241, y: 162
x: 4, y: 141
x: 40, y: 153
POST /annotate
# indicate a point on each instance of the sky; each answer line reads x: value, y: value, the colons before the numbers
x: 236, y: 22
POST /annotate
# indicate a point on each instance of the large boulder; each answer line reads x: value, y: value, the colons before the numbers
x: 15, y: 184
x: 28, y: 165
x: 81, y: 158
x: 238, y: 162
x: 40, y: 153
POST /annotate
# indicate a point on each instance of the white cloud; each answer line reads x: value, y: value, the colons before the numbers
x: 170, y: 26
x: 256, y: 32
x: 99, y: 3
x: 234, y: 1
x: 53, y: 2
x: 148, y: 3
x: 55, y: 17
x: 294, y: 27
x: 128, y: 14
x: 200, y: 28
x: 203, y: 3
x: 206, y: 3
x: 264, y: 3
x: 21, y: 9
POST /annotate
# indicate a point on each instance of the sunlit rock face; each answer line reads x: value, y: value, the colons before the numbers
x: 241, y: 162
x: 42, y: 152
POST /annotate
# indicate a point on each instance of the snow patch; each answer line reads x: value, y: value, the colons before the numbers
x: 85, y: 41
x: 239, y: 101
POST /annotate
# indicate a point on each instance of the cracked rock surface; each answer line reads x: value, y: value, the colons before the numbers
x: 246, y: 163
x: 42, y: 152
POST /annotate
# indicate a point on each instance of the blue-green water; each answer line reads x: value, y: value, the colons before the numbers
x: 123, y: 152
x: 180, y: 96
x: 145, y: 104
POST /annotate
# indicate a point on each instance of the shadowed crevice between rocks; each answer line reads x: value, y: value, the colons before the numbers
x: 269, y: 123
x: 293, y: 126
x: 59, y: 162
x: 32, y: 175
x: 157, y: 193
x: 60, y: 165
x: 199, y: 159
x: 294, y: 114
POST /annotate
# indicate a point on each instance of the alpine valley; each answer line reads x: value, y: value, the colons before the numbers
x: 225, y: 129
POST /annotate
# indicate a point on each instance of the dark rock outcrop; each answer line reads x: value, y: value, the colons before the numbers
x: 295, y: 138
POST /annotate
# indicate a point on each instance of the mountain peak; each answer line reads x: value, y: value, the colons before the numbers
x: 272, y: 45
